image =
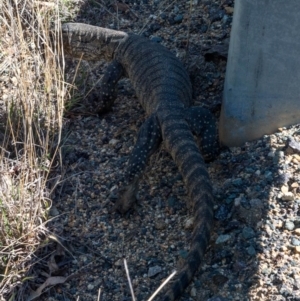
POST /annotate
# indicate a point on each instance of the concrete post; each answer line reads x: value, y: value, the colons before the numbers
x: 262, y: 85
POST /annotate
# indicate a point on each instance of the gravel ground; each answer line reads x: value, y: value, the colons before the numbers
x: 255, y: 247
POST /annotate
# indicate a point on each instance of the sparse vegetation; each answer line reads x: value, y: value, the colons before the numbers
x: 32, y: 91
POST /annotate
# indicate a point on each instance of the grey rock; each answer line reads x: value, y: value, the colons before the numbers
x: 178, y: 18
x: 281, y: 154
x: 237, y: 182
x: 268, y: 175
x: 153, y: 271
x: 113, y: 142
x: 294, y: 145
x: 297, y: 221
x: 222, y: 212
x: 248, y: 233
x: 54, y: 211
x: 222, y: 238
x: 163, y: 16
x: 295, y: 242
x: 251, y: 251
x: 289, y: 225
x: 183, y: 254
x: 176, y: 9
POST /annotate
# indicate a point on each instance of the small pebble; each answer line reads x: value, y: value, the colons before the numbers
x: 222, y: 212
x: 178, y: 18
x: 90, y: 287
x: 297, y: 221
x: 237, y: 202
x: 278, y: 224
x: 289, y: 226
x: 248, y: 233
x: 284, y: 188
x: 189, y: 223
x: 295, y: 242
x: 153, y: 271
x: 271, y: 154
x: 183, y: 254
x: 222, y: 238
x: 113, y: 142
x: 54, y: 211
x: 294, y: 145
x: 193, y: 292
x: 288, y: 196
x: 163, y: 16
x: 225, y: 19
x: 251, y: 251
x: 268, y: 175
x: 265, y: 269
x: 237, y: 182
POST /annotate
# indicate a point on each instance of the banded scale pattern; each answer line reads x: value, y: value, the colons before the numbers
x: 164, y: 90
x: 158, y: 77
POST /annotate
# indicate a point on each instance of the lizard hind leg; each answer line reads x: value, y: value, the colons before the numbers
x: 148, y: 141
x: 203, y: 125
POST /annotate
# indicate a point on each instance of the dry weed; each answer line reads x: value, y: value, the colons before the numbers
x: 31, y: 105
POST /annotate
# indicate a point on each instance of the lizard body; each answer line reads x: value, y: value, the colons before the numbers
x: 164, y: 90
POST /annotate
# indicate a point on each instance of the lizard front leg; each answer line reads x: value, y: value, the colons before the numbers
x: 203, y: 125
x: 101, y: 101
x: 148, y: 141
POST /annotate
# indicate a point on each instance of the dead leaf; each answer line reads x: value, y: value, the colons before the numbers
x: 229, y: 10
x: 49, y: 282
x: 52, y: 265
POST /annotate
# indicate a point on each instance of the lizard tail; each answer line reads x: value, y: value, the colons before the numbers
x: 181, y: 144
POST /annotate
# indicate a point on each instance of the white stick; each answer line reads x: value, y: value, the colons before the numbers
x: 161, y: 286
x: 129, y: 281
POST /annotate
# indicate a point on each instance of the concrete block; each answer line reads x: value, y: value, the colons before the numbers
x: 262, y: 84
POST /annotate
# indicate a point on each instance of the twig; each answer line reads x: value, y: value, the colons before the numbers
x: 188, y: 33
x: 161, y: 286
x: 129, y: 281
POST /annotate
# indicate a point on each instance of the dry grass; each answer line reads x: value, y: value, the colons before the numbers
x: 32, y: 91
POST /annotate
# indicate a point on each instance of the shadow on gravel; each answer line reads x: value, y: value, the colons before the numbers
x: 255, y: 199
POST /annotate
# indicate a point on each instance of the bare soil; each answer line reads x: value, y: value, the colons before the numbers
x: 255, y: 246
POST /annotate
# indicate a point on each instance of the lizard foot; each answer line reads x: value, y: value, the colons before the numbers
x: 127, y: 197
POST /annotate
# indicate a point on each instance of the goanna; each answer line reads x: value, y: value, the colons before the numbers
x: 164, y: 90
